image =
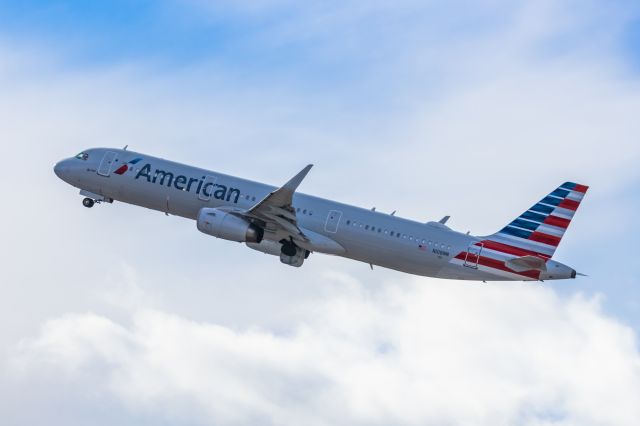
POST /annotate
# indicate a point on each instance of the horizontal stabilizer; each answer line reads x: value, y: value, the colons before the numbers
x: 526, y: 263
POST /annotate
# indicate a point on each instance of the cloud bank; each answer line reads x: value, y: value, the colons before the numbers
x: 425, y: 353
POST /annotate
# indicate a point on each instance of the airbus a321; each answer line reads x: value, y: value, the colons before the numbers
x: 282, y: 222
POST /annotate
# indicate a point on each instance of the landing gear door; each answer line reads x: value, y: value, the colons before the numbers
x: 107, y: 163
x: 333, y: 220
x: 472, y: 257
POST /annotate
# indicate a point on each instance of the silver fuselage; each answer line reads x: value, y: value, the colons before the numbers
x: 367, y: 236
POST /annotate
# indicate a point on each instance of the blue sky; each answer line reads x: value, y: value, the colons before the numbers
x: 469, y: 109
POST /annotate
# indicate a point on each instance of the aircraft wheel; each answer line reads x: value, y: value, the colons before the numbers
x: 288, y: 249
x: 88, y: 203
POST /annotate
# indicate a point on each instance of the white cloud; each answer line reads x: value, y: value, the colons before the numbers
x: 424, y: 353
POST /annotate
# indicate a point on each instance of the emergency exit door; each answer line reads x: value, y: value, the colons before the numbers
x: 333, y: 220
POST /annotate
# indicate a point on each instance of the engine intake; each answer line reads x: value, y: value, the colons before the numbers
x: 227, y: 226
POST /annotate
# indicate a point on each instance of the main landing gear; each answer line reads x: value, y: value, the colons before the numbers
x: 88, y: 202
x: 291, y: 254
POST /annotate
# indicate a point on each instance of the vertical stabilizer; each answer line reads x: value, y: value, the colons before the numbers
x: 538, y: 231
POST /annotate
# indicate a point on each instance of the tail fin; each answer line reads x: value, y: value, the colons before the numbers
x: 538, y: 231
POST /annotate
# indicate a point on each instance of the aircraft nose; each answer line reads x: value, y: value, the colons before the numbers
x: 60, y: 169
x: 57, y: 169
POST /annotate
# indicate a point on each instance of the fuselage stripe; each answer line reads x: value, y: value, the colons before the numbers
x: 507, y: 248
x: 495, y: 264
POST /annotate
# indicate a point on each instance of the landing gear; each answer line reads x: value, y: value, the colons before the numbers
x: 91, y: 198
x: 288, y: 248
x: 291, y: 254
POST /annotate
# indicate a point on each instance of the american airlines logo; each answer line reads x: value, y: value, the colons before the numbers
x: 189, y: 184
x: 122, y: 169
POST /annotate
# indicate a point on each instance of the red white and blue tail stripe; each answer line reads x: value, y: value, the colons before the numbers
x: 529, y: 240
x: 538, y: 231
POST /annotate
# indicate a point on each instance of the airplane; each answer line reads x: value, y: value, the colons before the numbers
x: 282, y: 222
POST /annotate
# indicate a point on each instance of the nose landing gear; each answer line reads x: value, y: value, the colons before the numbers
x: 91, y: 199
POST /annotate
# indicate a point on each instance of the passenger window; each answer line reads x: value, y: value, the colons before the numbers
x: 304, y: 211
x: 392, y: 233
x: 366, y: 227
x: 348, y: 222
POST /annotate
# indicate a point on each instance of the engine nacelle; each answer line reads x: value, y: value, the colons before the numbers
x: 227, y: 226
x: 267, y: 246
x: 289, y: 253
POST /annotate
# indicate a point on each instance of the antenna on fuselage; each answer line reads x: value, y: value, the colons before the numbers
x: 125, y: 147
x: 444, y: 219
x: 393, y: 213
x: 373, y: 209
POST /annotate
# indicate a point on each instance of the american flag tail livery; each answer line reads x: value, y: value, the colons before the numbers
x: 525, y: 246
x: 538, y: 231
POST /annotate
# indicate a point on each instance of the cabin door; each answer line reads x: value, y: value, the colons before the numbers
x: 206, y: 191
x: 107, y: 163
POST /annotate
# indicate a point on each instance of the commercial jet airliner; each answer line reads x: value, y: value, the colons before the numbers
x: 285, y: 223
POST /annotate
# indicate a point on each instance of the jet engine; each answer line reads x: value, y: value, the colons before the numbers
x: 227, y: 226
x: 289, y: 253
x: 267, y: 246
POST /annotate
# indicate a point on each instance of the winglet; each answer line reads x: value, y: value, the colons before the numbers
x: 282, y: 197
x: 295, y: 181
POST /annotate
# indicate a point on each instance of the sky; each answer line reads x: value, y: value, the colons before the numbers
x: 121, y: 315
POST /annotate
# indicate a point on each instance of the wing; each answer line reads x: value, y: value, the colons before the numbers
x: 276, y: 211
x: 277, y: 217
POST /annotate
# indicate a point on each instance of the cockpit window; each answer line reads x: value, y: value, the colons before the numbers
x: 82, y: 156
